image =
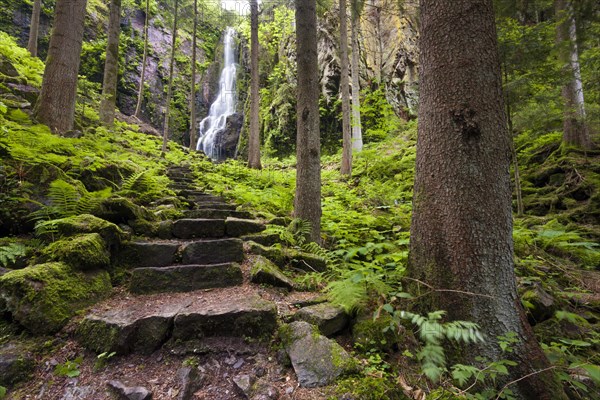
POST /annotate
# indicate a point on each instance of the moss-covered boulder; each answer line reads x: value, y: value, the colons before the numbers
x: 121, y: 210
x: 44, y: 297
x: 86, y: 223
x: 82, y: 252
x: 16, y: 363
x: 305, y: 261
x: 264, y: 271
x: 273, y: 253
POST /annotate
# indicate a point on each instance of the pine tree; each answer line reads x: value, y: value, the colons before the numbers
x: 461, y: 233
x: 111, y: 65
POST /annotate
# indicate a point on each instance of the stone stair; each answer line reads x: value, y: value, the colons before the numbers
x: 186, y: 287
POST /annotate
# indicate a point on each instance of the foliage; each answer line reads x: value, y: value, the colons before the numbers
x: 69, y: 368
x: 432, y: 332
x: 10, y: 252
x: 102, y: 360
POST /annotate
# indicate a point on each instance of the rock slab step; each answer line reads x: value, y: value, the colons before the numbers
x: 185, y: 278
x: 189, y: 228
x: 148, y: 254
x: 213, y: 251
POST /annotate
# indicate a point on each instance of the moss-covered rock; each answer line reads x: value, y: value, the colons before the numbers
x: 82, y: 252
x: 264, y: 271
x: 369, y: 334
x: 86, y: 223
x: 120, y: 210
x: 16, y: 363
x: 273, y: 253
x: 44, y: 297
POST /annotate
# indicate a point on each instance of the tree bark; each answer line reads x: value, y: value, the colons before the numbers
x: 56, y: 104
x: 345, y: 89
x: 307, y: 202
x: 143, y: 74
x: 34, y: 28
x: 170, y: 84
x: 193, y: 123
x: 357, y: 142
x: 461, y: 233
x: 254, y: 137
x: 111, y: 66
x: 575, y: 129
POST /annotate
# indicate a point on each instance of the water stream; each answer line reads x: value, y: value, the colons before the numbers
x: 223, y: 106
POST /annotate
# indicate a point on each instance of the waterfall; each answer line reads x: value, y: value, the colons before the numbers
x: 223, y: 106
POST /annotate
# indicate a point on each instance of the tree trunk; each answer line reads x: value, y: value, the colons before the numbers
x: 56, y: 104
x: 575, y: 129
x: 34, y: 28
x: 461, y: 233
x: 345, y: 89
x: 170, y: 84
x: 307, y: 202
x: 254, y: 137
x: 193, y: 123
x: 111, y: 66
x: 357, y: 142
x: 143, y: 74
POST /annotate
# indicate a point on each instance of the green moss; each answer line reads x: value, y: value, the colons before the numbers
x: 370, y: 388
x: 83, y: 252
x: 86, y: 223
x: 44, y: 297
x: 369, y: 334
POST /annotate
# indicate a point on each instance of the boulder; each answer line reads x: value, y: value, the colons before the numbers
x: 317, y: 360
x: 264, y: 239
x: 86, y: 223
x: 305, y: 261
x: 273, y: 253
x: 83, y: 252
x: 120, y: 210
x: 328, y: 318
x: 190, y: 380
x: 16, y: 364
x: 264, y: 271
x: 44, y: 297
x: 125, y: 392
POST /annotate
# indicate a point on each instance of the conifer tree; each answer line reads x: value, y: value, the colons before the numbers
x: 34, y: 28
x: 111, y: 65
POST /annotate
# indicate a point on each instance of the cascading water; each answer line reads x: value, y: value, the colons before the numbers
x: 223, y: 106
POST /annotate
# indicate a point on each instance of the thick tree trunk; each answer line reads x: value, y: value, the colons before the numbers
x: 461, y: 232
x: 254, y: 137
x: 56, y: 104
x: 357, y: 142
x: 143, y: 74
x: 193, y: 123
x: 307, y: 203
x: 34, y: 28
x: 111, y: 66
x: 575, y: 129
x: 345, y: 89
x: 170, y: 84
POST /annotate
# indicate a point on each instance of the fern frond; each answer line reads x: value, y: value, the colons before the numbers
x: 348, y: 294
x: 140, y: 181
x: 10, y: 252
x: 90, y: 201
x: 64, y: 197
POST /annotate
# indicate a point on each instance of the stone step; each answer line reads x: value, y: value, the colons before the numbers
x: 237, y: 227
x: 215, y: 205
x: 189, y: 228
x: 142, y: 324
x: 148, y: 254
x: 185, y: 278
x: 211, y: 213
x: 213, y: 251
x: 201, y: 197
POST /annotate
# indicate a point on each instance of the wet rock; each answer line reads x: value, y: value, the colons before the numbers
x: 317, y: 361
x: 264, y: 271
x: 328, y: 318
x: 239, y: 227
x: 190, y: 380
x: 129, y: 392
x: 226, y: 140
x: 16, y: 364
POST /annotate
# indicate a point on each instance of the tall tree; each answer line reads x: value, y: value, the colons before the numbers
x: 170, y: 84
x: 193, y: 123
x: 143, y: 74
x: 111, y: 65
x: 345, y: 89
x: 461, y: 234
x: 34, y: 28
x: 307, y: 202
x: 254, y: 137
x: 575, y: 128
x: 357, y: 142
x: 56, y: 103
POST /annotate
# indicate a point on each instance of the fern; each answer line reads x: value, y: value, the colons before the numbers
x: 140, y: 181
x: 10, y: 252
x: 294, y: 234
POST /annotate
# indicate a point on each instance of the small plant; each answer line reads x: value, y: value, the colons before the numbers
x: 10, y: 252
x: 2, y: 392
x: 69, y: 368
x: 102, y: 360
x: 432, y: 332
